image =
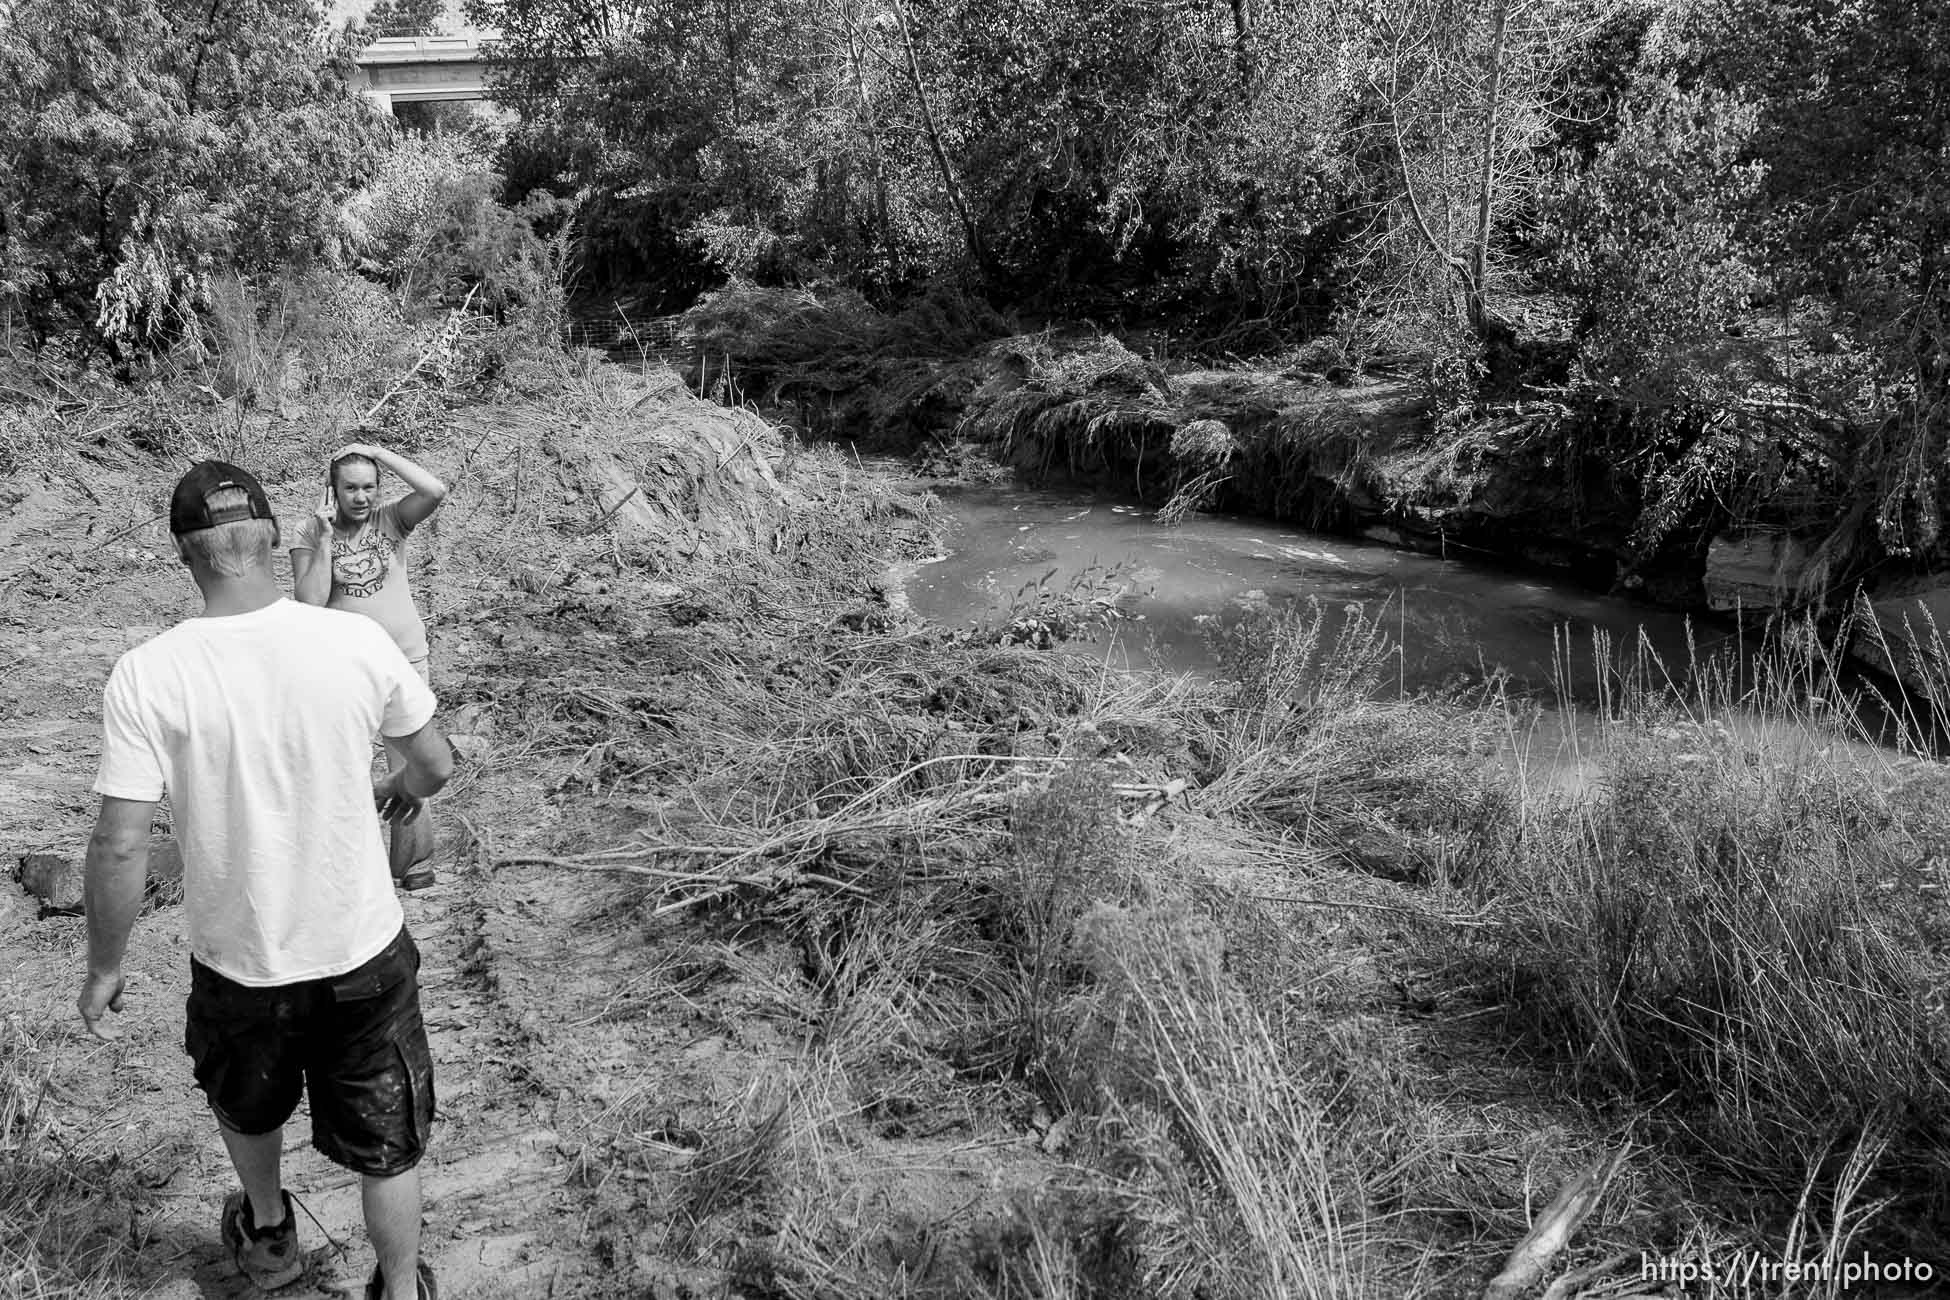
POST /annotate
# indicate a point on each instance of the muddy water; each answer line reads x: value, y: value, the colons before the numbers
x: 1455, y: 622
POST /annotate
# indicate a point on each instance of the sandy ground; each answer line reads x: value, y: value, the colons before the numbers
x: 499, y: 1221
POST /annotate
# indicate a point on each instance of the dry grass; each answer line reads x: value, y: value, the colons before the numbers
x: 1740, y: 929
x: 54, y: 1244
x: 1243, y: 1184
x: 1175, y: 915
x: 830, y: 364
x: 1723, y: 935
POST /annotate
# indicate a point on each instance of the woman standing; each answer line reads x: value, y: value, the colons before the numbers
x: 367, y: 574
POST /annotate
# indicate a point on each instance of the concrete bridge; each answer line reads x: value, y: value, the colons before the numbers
x: 420, y: 69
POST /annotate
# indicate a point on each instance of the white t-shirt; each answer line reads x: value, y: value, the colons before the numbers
x: 260, y: 728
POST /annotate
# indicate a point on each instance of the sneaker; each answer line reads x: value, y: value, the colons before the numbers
x: 270, y: 1259
x: 429, y: 1289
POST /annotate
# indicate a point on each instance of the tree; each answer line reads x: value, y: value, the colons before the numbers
x: 700, y: 129
x: 1652, y: 243
x: 405, y: 18
x: 1852, y: 102
x: 1467, y: 93
x: 146, y: 148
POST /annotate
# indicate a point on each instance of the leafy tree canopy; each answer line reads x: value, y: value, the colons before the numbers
x: 154, y: 140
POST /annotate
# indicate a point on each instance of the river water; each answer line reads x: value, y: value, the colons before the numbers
x: 1455, y: 622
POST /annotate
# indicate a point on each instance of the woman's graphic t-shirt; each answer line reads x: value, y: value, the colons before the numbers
x: 369, y: 575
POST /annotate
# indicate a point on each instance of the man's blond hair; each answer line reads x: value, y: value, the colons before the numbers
x: 230, y: 550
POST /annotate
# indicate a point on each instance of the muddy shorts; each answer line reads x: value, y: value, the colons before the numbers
x: 356, y: 1042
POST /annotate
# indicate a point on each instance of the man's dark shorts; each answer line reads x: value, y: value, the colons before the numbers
x: 357, y: 1041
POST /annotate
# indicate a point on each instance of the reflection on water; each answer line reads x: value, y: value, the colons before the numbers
x: 1455, y: 623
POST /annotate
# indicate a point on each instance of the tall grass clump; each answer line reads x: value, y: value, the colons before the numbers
x: 52, y: 1246
x: 1730, y: 928
x: 1240, y: 1184
x: 1299, y: 742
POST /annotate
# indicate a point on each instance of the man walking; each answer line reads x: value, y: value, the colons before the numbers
x: 256, y: 717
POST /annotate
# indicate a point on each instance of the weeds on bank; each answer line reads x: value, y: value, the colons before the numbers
x: 1019, y: 881
x: 51, y: 1243
x: 1745, y: 935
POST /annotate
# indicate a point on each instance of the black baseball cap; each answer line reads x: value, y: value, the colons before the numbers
x: 189, y: 506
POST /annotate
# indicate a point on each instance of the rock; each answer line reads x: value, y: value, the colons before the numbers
x: 53, y: 879
x: 57, y: 881
x: 1385, y: 535
x: 1757, y: 571
x: 470, y: 749
x: 470, y: 720
x: 1901, y: 629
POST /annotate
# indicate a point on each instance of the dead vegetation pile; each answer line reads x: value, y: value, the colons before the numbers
x: 832, y: 365
x: 1244, y: 963
x: 964, y: 839
x: 1234, y: 972
x: 661, y: 466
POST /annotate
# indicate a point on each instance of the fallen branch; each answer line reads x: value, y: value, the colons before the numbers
x: 448, y: 333
x: 1552, y: 1232
x: 673, y: 878
x: 1567, y: 1285
x: 1169, y: 790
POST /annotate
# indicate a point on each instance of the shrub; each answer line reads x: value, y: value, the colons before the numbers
x: 153, y: 152
x: 1725, y: 929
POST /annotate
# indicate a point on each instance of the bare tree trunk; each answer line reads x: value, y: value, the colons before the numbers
x: 731, y: 64
x: 204, y: 37
x: 956, y: 199
x: 1242, y: 43
x: 1492, y: 130
x: 870, y: 123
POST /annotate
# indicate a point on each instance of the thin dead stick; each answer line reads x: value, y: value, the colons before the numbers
x: 615, y: 855
x: 1572, y: 1281
x: 682, y: 877
x: 124, y: 532
x: 1168, y: 790
x: 1370, y: 907
x: 692, y: 901
x: 628, y: 869
x: 1552, y: 1232
x: 608, y: 514
x: 447, y: 331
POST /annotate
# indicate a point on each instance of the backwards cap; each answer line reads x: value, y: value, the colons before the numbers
x: 190, y: 510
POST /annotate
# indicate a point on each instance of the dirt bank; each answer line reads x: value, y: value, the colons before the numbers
x: 548, y: 500
x: 1307, y: 437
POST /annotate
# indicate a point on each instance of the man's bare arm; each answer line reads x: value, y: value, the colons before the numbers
x: 429, y: 766
x: 113, y: 877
